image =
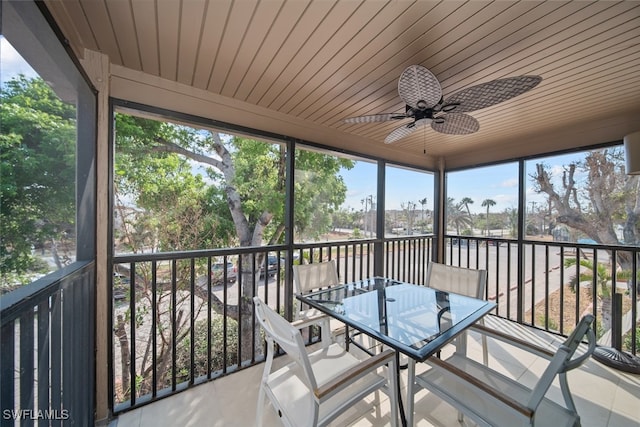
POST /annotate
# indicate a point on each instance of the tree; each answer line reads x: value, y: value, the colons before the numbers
x: 409, y: 210
x: 488, y: 203
x: 600, y: 278
x: 466, y: 201
x: 512, y: 219
x: 456, y: 215
x: 37, y: 206
x: 608, y: 198
x: 243, y: 203
x: 422, y: 202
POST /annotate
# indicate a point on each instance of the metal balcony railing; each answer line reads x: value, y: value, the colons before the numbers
x: 183, y: 318
x: 47, y: 359
x: 177, y: 321
x: 550, y: 285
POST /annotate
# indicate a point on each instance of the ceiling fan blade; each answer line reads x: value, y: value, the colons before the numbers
x: 456, y: 124
x: 417, y: 84
x: 490, y: 93
x: 405, y: 130
x: 375, y: 118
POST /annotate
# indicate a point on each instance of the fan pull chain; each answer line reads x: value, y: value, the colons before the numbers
x: 424, y: 140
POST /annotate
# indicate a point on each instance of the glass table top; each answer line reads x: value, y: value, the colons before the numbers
x: 415, y: 320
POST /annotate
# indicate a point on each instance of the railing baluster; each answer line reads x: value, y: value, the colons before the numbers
x: 56, y: 352
x: 240, y: 317
x: 508, y: 282
x: 174, y: 324
x: 594, y: 278
x: 209, y: 308
x: 577, y: 288
x: 546, y: 287
x: 634, y: 306
x: 154, y: 328
x: 225, y: 323
x: 43, y: 355
x: 533, y: 284
x: 192, y: 321
x: 8, y: 369
x: 26, y: 364
x: 562, y: 248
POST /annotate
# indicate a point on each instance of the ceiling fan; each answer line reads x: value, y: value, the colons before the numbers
x: 420, y: 90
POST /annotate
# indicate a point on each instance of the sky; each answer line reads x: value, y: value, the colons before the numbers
x: 499, y: 183
x: 11, y: 63
x: 402, y: 186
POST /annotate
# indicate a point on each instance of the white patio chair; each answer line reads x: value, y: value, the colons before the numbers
x: 311, y: 277
x: 492, y: 399
x: 459, y: 280
x: 313, y: 389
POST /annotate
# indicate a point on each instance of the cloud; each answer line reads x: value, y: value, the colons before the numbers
x: 509, y: 183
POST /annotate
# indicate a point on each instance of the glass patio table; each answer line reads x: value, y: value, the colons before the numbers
x: 414, y: 320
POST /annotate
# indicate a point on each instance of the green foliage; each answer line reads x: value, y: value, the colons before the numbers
x: 155, y: 179
x: 37, y: 175
x: 259, y: 176
x: 183, y: 354
x: 319, y: 191
x: 456, y: 214
x: 628, y: 343
x: 169, y: 204
x: 602, y: 276
x: 542, y: 320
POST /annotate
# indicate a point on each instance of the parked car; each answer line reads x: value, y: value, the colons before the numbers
x: 217, y: 272
x: 272, y: 265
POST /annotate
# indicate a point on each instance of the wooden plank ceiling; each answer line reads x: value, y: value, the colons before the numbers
x: 319, y: 62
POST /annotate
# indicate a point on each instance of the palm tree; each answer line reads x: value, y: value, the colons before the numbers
x: 488, y: 203
x: 456, y: 215
x: 603, y: 284
x: 466, y: 201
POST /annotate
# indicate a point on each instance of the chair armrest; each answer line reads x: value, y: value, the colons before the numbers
x: 309, y: 321
x: 516, y: 342
x: 483, y: 387
x: 354, y: 373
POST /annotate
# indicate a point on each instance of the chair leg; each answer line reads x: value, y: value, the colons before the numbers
x: 260, y: 407
x: 263, y: 380
x: 411, y: 390
x: 485, y: 351
x: 394, y: 389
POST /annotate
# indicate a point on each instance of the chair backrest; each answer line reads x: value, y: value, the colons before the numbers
x: 564, y: 361
x: 464, y: 281
x: 309, y: 277
x: 279, y: 331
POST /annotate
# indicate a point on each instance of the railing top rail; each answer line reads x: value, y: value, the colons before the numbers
x: 200, y: 253
x: 619, y: 247
x: 14, y: 303
x: 239, y: 250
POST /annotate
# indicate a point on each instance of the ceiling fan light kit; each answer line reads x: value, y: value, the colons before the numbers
x: 421, y: 92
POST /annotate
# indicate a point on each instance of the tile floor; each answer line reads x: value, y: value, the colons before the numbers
x: 604, y: 397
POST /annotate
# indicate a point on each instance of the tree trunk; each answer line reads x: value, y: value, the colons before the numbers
x: 125, y: 356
